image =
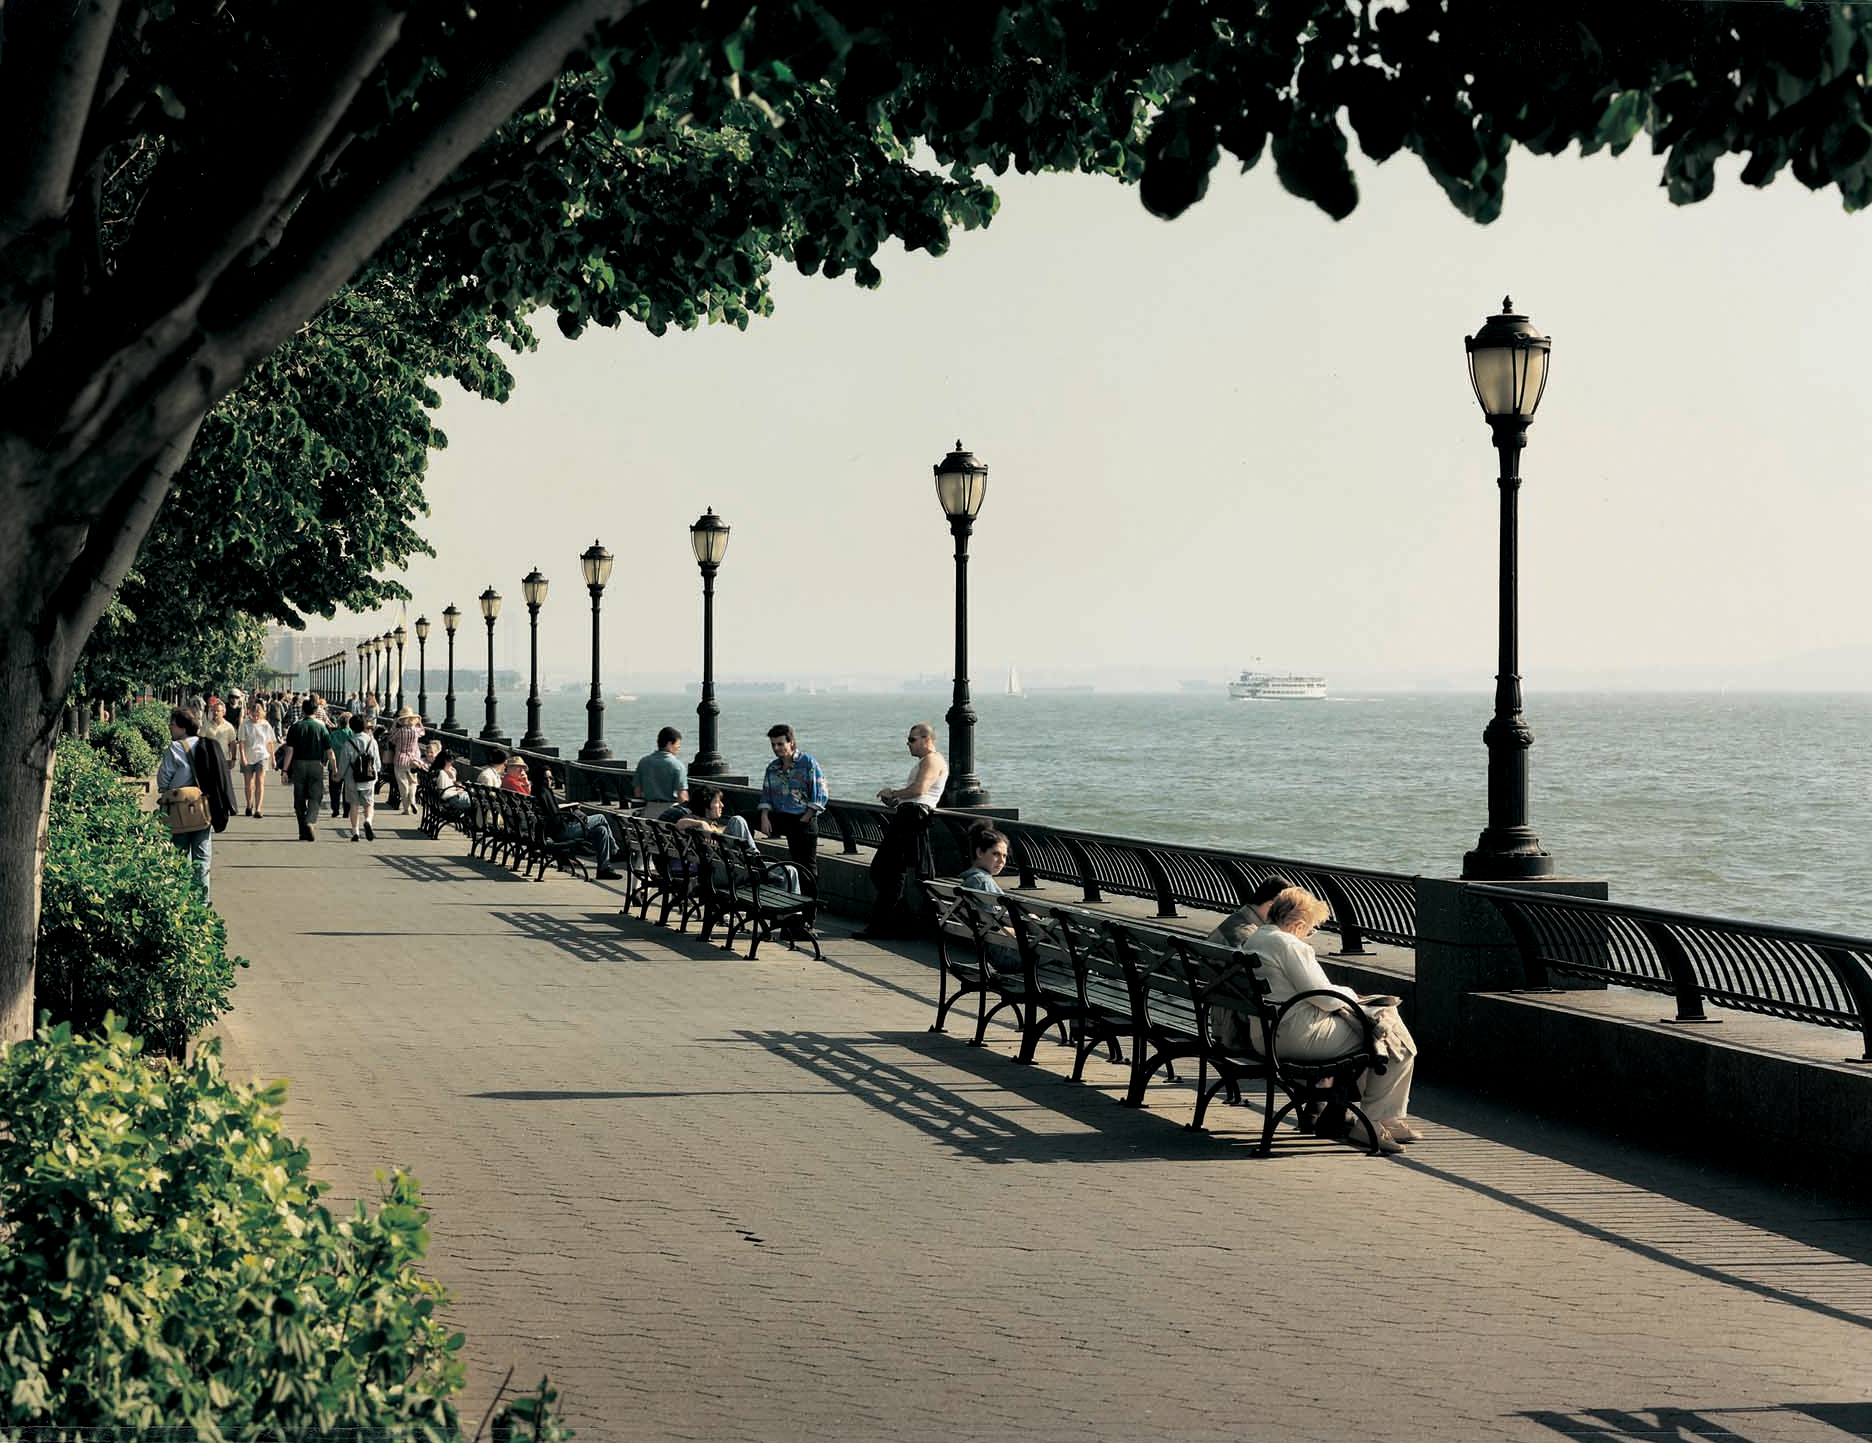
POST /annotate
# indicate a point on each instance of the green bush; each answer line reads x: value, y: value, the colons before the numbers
x: 126, y: 748
x: 167, y: 1262
x: 122, y: 926
x: 151, y: 718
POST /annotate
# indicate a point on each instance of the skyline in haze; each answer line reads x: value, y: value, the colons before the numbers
x: 1246, y: 433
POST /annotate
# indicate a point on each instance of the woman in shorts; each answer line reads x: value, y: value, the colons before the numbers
x: 255, y: 742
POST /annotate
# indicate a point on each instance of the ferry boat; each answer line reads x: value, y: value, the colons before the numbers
x: 1277, y: 686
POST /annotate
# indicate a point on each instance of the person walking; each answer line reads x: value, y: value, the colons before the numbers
x: 406, y: 757
x: 359, y: 764
x: 256, y: 741
x: 793, y: 794
x: 191, y: 761
x: 218, y: 729
x: 913, y: 805
x: 305, y: 753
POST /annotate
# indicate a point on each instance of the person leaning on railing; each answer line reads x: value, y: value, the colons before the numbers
x: 896, y: 854
x: 1318, y: 1028
x: 793, y: 794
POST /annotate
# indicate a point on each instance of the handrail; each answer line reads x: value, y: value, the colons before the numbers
x: 1795, y: 973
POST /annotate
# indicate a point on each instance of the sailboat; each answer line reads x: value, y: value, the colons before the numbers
x: 1013, y: 685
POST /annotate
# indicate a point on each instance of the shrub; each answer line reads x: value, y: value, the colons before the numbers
x: 151, y: 719
x: 167, y: 1261
x: 126, y: 748
x: 122, y: 927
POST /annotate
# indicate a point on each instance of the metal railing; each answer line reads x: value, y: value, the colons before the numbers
x: 1788, y: 972
x: 1793, y: 973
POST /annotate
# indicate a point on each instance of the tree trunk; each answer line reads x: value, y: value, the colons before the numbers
x: 25, y: 790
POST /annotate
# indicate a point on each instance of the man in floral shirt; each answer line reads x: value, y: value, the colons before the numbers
x: 793, y: 793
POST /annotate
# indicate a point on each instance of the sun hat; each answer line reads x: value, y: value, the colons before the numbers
x: 407, y: 714
x: 514, y: 759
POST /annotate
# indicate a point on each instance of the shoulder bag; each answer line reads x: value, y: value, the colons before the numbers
x: 187, y: 807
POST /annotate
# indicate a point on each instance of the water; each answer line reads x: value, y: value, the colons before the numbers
x: 1746, y: 805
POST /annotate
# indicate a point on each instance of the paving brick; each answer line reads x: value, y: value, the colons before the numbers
x: 727, y: 1200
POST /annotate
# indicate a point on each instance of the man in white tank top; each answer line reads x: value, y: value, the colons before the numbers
x: 903, y: 838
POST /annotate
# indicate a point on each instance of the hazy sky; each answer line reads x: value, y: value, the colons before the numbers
x: 1248, y: 432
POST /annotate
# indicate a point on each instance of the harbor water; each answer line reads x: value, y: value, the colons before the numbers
x: 1749, y: 805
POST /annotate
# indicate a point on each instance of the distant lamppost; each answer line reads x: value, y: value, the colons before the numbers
x: 533, y: 588
x: 708, y: 538
x: 961, y: 483
x: 363, y: 656
x: 401, y: 636
x: 595, y: 567
x: 490, y: 608
x: 422, y: 670
x: 451, y: 618
x: 383, y: 673
x: 1508, y: 368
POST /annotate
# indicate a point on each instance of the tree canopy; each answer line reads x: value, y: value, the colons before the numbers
x: 188, y: 183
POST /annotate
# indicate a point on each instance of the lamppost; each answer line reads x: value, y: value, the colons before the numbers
x: 490, y: 608
x: 401, y: 636
x: 383, y: 673
x: 708, y: 538
x: 422, y: 670
x: 533, y: 588
x: 363, y: 654
x: 595, y: 567
x: 961, y: 483
x: 1508, y: 368
x: 451, y: 618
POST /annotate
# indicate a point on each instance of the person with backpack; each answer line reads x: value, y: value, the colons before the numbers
x: 359, y: 763
x: 191, y: 783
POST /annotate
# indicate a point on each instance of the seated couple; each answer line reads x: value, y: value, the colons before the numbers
x: 1274, y: 926
x: 703, y: 812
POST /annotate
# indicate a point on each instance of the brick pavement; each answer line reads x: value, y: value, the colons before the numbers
x: 727, y: 1200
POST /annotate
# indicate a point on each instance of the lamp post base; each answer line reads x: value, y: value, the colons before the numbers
x: 594, y: 752
x: 965, y: 792
x: 708, y: 766
x: 1510, y: 854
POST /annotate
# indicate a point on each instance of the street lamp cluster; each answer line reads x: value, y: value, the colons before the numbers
x: 961, y: 485
x: 1508, y: 361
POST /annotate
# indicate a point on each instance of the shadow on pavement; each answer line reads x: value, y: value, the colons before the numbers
x: 1680, y: 1425
x: 862, y: 1066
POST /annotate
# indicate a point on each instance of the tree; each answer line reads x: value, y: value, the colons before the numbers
x: 187, y: 182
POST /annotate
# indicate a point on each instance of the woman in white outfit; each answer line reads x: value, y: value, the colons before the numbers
x: 1319, y: 1027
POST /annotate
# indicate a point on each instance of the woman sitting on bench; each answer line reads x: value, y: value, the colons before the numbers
x: 1318, y: 1028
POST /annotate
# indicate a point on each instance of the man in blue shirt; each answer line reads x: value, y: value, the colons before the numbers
x: 793, y: 794
x: 662, y: 777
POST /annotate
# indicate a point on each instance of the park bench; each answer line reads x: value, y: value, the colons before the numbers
x: 1102, y: 982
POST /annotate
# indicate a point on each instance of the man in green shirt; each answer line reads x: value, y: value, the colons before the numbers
x: 307, y: 746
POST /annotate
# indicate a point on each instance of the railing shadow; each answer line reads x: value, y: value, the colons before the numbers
x: 908, y: 1090
x: 1758, y: 1424
x: 594, y: 938
x: 1803, y: 1250
x: 451, y: 868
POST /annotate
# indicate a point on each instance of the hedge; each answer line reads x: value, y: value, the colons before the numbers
x: 122, y: 925
x: 168, y: 1264
x: 126, y: 748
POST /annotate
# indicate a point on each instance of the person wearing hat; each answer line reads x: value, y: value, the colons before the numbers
x: 514, y: 776
x: 406, y: 757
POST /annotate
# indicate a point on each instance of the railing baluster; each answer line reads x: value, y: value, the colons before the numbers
x: 1683, y: 976
x: 1851, y: 970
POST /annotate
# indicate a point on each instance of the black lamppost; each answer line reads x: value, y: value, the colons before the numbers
x: 595, y: 567
x: 533, y: 588
x: 1508, y: 368
x: 708, y: 538
x: 363, y: 654
x: 422, y: 670
x: 383, y: 673
x: 490, y: 608
x: 451, y: 618
x: 401, y: 636
x: 961, y: 483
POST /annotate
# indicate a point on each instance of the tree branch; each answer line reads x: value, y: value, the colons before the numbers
x: 332, y: 237
x: 48, y: 83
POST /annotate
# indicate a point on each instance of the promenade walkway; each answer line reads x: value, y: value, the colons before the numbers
x: 727, y: 1200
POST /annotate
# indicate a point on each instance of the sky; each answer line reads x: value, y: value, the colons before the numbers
x: 1247, y: 433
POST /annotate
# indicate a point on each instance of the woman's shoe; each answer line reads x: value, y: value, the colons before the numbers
x: 1400, y: 1130
x: 1377, y: 1140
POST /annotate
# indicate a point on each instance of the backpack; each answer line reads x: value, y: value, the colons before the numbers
x: 363, y: 763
